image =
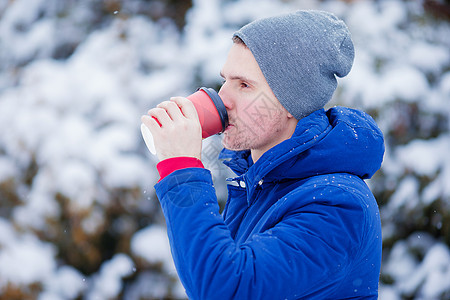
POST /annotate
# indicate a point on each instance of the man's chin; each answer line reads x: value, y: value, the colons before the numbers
x: 227, y: 144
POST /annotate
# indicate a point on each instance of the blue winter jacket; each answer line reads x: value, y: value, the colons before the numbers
x: 300, y: 223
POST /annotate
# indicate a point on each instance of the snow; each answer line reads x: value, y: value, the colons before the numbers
x: 24, y: 259
x: 403, y: 82
x: 388, y: 292
x: 425, y: 158
x: 401, y: 263
x: 427, y: 164
x: 437, y: 57
x: 7, y: 169
x: 433, y: 271
x: 107, y: 284
x: 66, y: 283
x: 445, y: 84
x: 19, y: 27
x: 152, y: 244
x: 74, y: 81
x: 405, y: 194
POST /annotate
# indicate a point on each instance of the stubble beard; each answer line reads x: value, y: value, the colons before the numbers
x: 240, y: 136
x: 234, y: 139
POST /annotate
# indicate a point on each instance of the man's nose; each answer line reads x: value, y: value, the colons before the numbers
x: 226, y: 99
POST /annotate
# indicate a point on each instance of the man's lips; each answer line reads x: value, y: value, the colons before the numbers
x: 228, y: 127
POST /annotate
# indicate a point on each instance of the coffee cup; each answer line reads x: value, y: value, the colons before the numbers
x: 211, y: 111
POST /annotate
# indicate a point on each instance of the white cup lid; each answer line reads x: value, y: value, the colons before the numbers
x: 148, y: 139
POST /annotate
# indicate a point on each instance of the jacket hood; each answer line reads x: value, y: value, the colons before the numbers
x: 340, y: 140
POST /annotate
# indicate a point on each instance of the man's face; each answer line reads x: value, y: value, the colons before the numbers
x: 257, y: 119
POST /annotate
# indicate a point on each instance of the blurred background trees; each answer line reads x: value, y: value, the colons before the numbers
x: 78, y: 215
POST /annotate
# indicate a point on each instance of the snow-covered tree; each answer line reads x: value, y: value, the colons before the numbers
x: 78, y: 213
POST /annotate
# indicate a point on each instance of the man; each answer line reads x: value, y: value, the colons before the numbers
x: 299, y: 222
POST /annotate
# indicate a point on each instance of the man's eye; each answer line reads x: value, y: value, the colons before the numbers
x: 244, y: 85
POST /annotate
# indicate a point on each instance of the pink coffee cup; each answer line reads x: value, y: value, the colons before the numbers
x: 211, y: 112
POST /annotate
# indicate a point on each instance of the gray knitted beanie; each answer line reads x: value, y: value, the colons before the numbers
x: 300, y: 54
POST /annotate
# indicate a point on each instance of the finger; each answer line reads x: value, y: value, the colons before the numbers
x: 150, y: 122
x: 160, y: 114
x: 172, y: 110
x: 186, y: 106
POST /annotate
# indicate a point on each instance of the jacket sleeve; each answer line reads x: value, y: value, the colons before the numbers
x: 287, y: 261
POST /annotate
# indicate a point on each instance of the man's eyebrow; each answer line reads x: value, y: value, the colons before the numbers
x: 239, y: 77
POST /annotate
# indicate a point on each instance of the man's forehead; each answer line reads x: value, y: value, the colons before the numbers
x: 241, y: 65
